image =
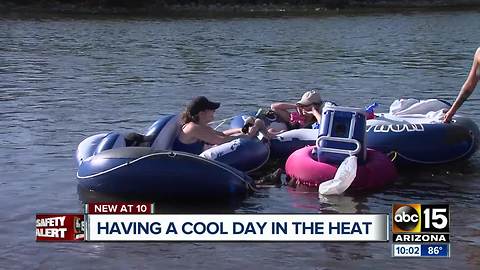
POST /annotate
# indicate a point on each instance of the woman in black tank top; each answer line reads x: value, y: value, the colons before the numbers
x: 196, y: 132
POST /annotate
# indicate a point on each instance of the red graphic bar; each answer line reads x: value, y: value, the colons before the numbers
x: 119, y: 208
x: 60, y: 227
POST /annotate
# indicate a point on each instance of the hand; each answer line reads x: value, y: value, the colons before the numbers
x: 316, y: 113
x: 249, y: 122
x: 448, y: 116
x: 299, y: 109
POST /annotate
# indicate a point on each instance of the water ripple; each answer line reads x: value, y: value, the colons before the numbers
x: 62, y: 79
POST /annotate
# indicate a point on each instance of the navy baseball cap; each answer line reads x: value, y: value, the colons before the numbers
x: 201, y: 103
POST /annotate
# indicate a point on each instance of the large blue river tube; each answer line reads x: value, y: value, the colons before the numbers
x: 408, y: 139
x: 416, y: 141
x: 106, y: 164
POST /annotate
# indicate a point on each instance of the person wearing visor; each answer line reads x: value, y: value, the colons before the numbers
x: 196, y: 133
x: 305, y: 113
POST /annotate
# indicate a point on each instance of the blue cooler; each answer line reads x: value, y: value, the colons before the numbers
x: 342, y: 134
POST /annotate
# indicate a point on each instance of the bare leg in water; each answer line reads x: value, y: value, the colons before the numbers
x: 271, y: 179
x: 258, y: 126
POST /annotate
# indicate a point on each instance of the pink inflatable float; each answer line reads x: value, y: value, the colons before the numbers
x: 375, y: 173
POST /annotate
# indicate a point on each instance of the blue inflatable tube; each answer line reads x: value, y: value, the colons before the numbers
x: 106, y: 164
x: 246, y: 155
x: 407, y: 141
x: 284, y: 144
x: 164, y: 174
x: 424, y: 143
x: 239, y: 120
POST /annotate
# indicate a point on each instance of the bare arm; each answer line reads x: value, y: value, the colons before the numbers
x: 206, y: 134
x: 281, y: 109
x: 227, y: 132
x: 211, y: 136
x: 232, y: 131
x: 467, y: 88
x: 317, y: 114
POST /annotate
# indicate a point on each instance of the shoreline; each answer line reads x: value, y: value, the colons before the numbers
x: 211, y: 10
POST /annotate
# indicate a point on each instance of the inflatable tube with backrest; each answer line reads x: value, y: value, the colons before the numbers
x: 107, y: 165
x: 406, y: 140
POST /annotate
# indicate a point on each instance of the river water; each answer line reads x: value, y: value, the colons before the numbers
x: 62, y: 79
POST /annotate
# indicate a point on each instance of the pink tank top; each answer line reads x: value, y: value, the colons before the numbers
x: 295, y: 117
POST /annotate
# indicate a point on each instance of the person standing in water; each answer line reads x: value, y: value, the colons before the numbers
x: 467, y: 88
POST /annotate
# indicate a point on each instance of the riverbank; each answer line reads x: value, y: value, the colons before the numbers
x: 240, y: 7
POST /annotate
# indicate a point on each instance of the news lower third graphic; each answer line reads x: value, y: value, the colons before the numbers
x: 138, y: 222
x: 237, y: 227
x: 60, y: 227
x: 421, y: 230
x: 418, y: 230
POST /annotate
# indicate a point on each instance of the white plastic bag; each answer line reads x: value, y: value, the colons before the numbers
x: 399, y: 105
x: 343, y: 178
x: 415, y: 106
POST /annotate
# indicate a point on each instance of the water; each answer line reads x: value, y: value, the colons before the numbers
x: 62, y: 79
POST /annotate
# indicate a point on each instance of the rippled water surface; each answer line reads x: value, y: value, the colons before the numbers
x: 62, y: 79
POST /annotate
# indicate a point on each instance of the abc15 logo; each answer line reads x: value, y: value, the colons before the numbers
x: 420, y: 218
